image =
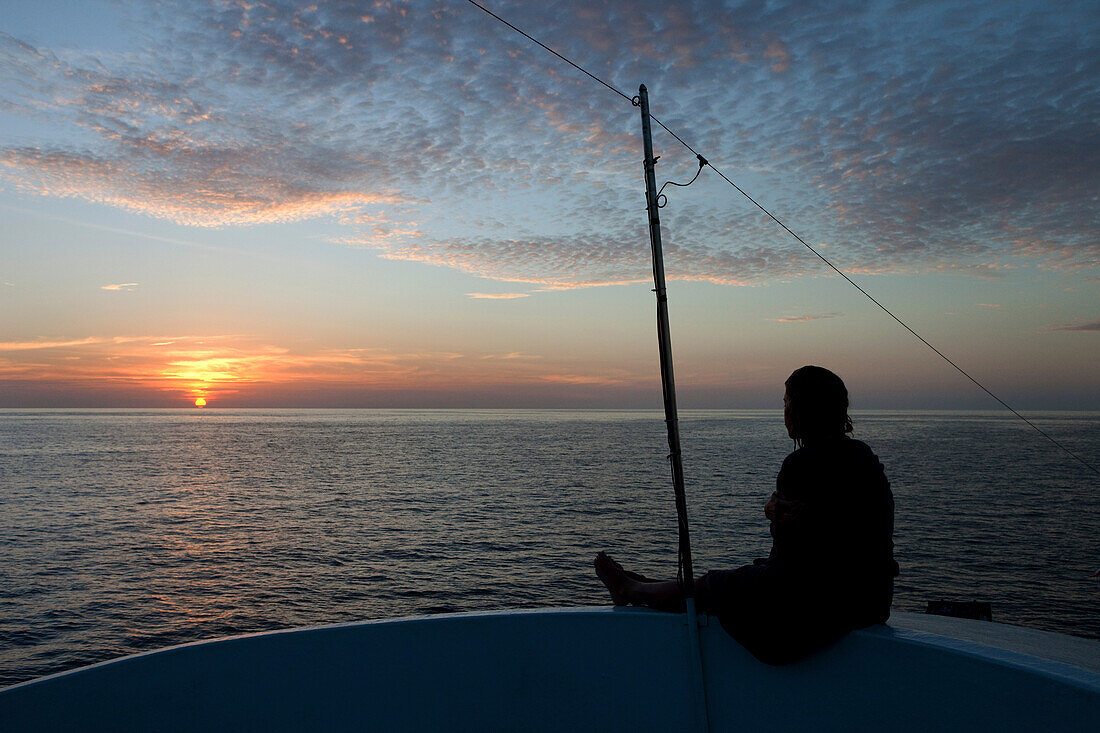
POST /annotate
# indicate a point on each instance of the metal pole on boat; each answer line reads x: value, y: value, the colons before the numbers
x: 668, y: 385
x: 664, y: 340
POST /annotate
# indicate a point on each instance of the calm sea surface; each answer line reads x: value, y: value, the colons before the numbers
x: 130, y: 530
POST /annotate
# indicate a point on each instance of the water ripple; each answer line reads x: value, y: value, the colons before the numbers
x: 131, y: 530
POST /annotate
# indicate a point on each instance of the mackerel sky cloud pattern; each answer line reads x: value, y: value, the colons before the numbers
x: 903, y: 138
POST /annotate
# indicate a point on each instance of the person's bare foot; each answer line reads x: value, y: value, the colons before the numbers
x: 614, y: 577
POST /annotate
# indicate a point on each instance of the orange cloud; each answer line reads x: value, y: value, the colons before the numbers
x: 803, y: 319
x: 28, y: 345
x: 512, y: 355
x: 497, y: 296
x: 580, y: 379
x: 190, y: 367
x: 199, y: 199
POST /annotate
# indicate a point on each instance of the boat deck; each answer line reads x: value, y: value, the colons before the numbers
x: 1061, y: 648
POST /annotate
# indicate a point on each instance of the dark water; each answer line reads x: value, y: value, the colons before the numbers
x: 130, y: 530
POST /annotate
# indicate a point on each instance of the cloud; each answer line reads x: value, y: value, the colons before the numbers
x: 1058, y: 256
x: 580, y: 379
x: 497, y: 296
x: 31, y: 345
x: 778, y: 53
x: 195, y: 364
x: 193, y: 195
x: 983, y: 270
x: 590, y: 260
x: 1093, y: 326
x: 218, y: 365
x: 431, y: 133
x: 804, y: 318
x: 127, y: 287
x: 511, y: 355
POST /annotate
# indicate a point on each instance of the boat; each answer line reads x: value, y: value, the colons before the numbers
x: 577, y: 669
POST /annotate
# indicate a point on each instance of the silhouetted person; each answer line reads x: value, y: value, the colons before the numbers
x: 831, y: 567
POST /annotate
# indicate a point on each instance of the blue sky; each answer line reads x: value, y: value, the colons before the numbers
x: 401, y: 204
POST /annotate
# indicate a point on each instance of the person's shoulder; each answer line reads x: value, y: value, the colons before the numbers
x: 832, y: 452
x: 841, y: 453
x: 859, y: 448
x: 794, y: 459
x: 867, y: 463
x: 858, y: 452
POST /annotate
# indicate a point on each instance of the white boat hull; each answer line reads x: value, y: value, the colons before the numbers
x: 572, y: 669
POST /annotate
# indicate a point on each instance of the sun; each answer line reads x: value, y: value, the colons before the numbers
x: 200, y: 402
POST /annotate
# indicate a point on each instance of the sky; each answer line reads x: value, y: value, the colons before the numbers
x: 407, y: 204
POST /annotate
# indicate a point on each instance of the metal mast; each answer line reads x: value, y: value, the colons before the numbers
x: 664, y: 340
x: 668, y: 385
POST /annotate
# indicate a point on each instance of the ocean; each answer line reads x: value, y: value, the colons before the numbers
x: 129, y: 530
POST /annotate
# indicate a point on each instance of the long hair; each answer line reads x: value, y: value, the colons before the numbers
x: 818, y: 404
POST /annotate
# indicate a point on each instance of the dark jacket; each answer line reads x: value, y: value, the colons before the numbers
x: 831, y: 568
x: 832, y: 534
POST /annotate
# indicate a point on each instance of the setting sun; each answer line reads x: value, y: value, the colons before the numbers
x: 200, y: 402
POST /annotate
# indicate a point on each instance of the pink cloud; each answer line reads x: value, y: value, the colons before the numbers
x: 780, y: 55
x: 1058, y: 256
x: 804, y: 318
x: 497, y: 296
x: 199, y: 197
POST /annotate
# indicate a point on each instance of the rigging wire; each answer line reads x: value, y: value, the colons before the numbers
x: 704, y: 162
x: 661, y: 198
x: 540, y: 43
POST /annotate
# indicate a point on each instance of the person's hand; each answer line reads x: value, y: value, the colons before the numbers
x: 770, y: 507
x: 781, y: 510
